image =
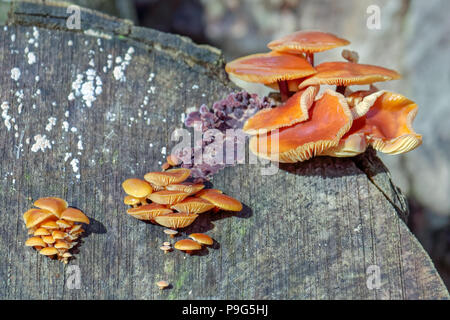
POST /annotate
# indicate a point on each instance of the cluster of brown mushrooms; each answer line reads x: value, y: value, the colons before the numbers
x: 313, y: 122
x: 55, y: 227
x: 167, y: 199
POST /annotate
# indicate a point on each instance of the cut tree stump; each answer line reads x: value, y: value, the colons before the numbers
x: 106, y: 99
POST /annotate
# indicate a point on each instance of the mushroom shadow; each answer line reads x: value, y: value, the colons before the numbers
x: 326, y: 166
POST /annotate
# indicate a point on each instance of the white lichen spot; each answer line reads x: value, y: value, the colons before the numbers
x: 15, y: 74
x: 65, y: 126
x: 163, y: 150
x: 74, y: 163
x: 41, y: 143
x: 51, y: 122
x: 70, y: 43
x: 5, y: 116
x: 67, y: 156
x: 31, y: 58
x: 195, y: 87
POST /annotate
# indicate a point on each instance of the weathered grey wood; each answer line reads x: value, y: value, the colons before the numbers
x: 308, y: 232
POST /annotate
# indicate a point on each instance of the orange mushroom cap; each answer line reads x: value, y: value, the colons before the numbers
x: 61, y: 244
x: 35, y: 241
x: 329, y: 119
x: 202, y: 238
x: 202, y: 192
x: 388, y: 124
x: 165, y: 178
x: 41, y: 232
x: 35, y: 216
x: 64, y: 224
x: 187, y: 245
x: 52, y: 204
x: 187, y: 187
x: 49, y: 224
x: 49, y: 251
x: 193, y: 205
x: 270, y: 67
x: 348, y: 73
x: 294, y: 110
x: 131, y: 201
x: 222, y: 201
x: 137, y: 188
x: 309, y: 41
x: 75, y: 215
x: 176, y: 220
x: 148, y: 211
x: 168, y: 197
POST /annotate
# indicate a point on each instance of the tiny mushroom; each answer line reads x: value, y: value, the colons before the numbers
x: 41, y: 232
x: 329, y: 119
x: 202, y: 238
x: 170, y: 232
x: 307, y: 42
x: 165, y: 248
x: 270, y: 68
x: 176, y: 220
x: 162, y: 284
x: 52, y: 204
x: 132, y: 201
x: 187, y: 245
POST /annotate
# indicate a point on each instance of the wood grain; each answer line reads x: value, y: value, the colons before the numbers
x: 308, y: 232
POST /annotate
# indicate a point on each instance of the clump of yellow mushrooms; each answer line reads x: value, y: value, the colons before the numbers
x: 54, y: 227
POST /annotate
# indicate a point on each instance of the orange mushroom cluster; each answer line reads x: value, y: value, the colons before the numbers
x: 166, y: 198
x: 314, y: 122
x: 54, y: 227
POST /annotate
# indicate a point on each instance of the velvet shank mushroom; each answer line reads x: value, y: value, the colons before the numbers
x: 168, y: 197
x: 51, y: 204
x: 307, y: 42
x: 293, y: 111
x: 269, y: 68
x: 222, y: 201
x: 165, y: 178
x: 202, y: 238
x: 329, y: 119
x: 149, y: 211
x: 187, y: 245
x: 137, y: 188
x: 187, y: 187
x: 343, y: 74
x: 193, y: 205
x: 176, y: 220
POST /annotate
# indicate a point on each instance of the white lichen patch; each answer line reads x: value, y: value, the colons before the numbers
x: 122, y: 64
x: 31, y: 57
x: 87, y: 86
x: 51, y: 122
x: 15, y: 74
x: 74, y: 163
x: 6, y: 118
x: 41, y: 143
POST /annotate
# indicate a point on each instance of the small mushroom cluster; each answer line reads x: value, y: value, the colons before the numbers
x: 311, y: 122
x: 198, y: 241
x: 55, y: 227
x: 160, y: 193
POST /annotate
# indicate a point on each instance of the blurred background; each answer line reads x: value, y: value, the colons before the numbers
x: 411, y: 36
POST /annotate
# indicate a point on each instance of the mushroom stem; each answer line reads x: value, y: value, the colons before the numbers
x: 284, y: 90
x: 310, y: 58
x: 341, y: 89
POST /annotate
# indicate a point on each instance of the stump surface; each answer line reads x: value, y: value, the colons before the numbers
x: 77, y: 120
